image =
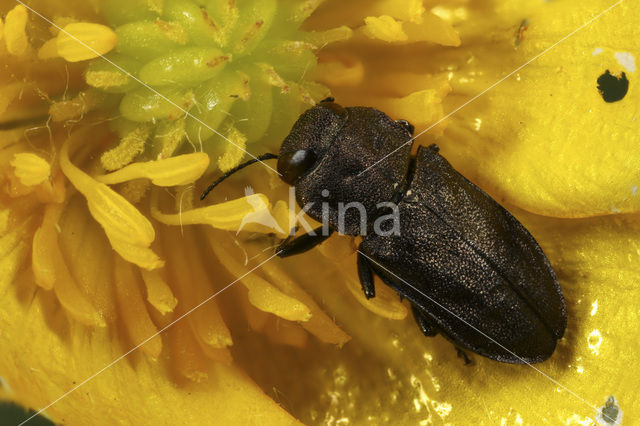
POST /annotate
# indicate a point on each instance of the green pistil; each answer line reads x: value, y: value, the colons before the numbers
x: 236, y: 67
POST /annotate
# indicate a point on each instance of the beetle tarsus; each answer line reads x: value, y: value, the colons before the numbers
x: 292, y: 246
x: 427, y: 328
x: 366, y: 276
x: 462, y: 354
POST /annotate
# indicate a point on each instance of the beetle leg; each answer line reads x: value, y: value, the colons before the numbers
x: 463, y: 355
x: 433, y: 147
x: 425, y: 325
x: 366, y: 276
x: 301, y: 244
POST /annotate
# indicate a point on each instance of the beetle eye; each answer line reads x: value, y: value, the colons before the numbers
x: 406, y: 125
x: 292, y: 165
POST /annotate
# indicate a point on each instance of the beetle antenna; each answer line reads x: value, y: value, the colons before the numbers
x: 267, y: 156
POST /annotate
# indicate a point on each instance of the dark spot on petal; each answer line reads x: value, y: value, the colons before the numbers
x: 613, y: 88
x: 610, y: 412
x: 524, y: 26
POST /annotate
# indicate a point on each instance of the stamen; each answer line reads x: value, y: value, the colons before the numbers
x: 82, y: 41
x: 30, y: 169
x: 159, y: 295
x: 262, y: 294
x: 130, y: 146
x: 130, y: 233
x: 174, y: 171
x: 15, y: 34
x: 133, y: 310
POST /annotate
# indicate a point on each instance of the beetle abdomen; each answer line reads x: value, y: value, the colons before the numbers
x: 476, y: 271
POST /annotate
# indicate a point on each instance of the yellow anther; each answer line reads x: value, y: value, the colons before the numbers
x: 384, y: 28
x: 82, y: 41
x: 234, y: 150
x: 15, y: 31
x: 174, y: 171
x: 49, y: 50
x: 30, y: 169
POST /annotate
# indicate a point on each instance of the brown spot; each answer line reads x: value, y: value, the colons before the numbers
x: 172, y: 31
x: 218, y: 60
x: 524, y: 26
x: 252, y: 31
x: 209, y: 20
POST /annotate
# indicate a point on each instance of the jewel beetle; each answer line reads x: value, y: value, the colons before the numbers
x: 470, y: 270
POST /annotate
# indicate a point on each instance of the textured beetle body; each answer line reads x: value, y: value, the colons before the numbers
x: 471, y: 271
x: 478, y: 276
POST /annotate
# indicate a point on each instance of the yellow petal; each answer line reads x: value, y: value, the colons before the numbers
x: 81, y: 41
x: 30, y: 168
x: 141, y: 389
x: 547, y: 139
x: 174, y: 171
x: 15, y: 30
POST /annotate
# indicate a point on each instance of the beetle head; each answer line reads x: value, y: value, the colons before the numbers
x: 310, y: 139
x: 337, y: 156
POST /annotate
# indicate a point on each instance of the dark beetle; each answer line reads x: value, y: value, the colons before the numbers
x: 471, y: 271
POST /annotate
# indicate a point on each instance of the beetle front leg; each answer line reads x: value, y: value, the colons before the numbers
x: 366, y: 276
x: 301, y: 244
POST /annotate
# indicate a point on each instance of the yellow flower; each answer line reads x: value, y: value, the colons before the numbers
x: 103, y: 245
